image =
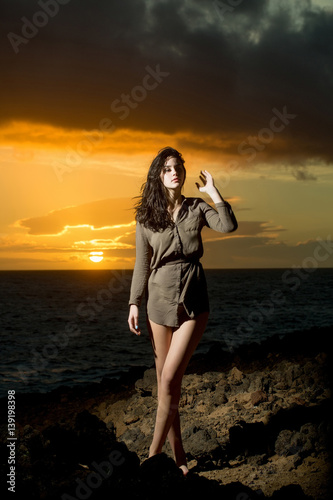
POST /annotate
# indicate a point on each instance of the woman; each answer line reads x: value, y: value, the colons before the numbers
x: 167, y: 267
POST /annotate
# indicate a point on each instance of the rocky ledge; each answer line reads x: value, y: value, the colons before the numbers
x: 256, y: 424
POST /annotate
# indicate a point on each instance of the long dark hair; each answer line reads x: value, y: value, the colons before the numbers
x: 152, y: 206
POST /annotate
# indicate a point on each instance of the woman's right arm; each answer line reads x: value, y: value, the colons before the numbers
x: 140, y: 277
x: 133, y: 319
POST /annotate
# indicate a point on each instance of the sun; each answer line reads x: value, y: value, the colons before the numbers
x: 96, y: 256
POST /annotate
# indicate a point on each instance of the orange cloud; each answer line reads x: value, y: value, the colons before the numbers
x: 96, y: 216
x: 80, y: 148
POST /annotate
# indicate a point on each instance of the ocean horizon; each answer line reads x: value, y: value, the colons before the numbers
x: 70, y: 327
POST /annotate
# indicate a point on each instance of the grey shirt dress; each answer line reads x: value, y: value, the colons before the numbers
x: 167, y: 266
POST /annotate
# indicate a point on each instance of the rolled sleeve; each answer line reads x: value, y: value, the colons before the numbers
x: 221, y: 218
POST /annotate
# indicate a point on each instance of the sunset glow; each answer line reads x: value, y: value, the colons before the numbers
x: 96, y: 256
x: 82, y: 119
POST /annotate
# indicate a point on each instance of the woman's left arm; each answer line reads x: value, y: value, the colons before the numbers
x: 222, y: 219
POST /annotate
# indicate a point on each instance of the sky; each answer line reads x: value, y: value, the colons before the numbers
x: 91, y: 91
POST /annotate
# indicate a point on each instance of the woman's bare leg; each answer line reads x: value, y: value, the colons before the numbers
x: 182, y: 344
x: 176, y: 443
x: 163, y: 336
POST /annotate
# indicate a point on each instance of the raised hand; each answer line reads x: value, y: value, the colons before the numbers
x: 209, y: 186
x: 208, y: 182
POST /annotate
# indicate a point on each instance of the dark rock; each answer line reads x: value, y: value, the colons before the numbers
x: 94, y: 438
x: 238, y: 491
x: 129, y: 377
x: 289, y: 443
x: 147, y: 385
x: 297, y: 460
x: 294, y: 417
x: 282, y: 443
x: 271, y: 351
x: 33, y: 442
x: 315, y: 437
x: 200, y: 487
x: 202, y: 445
x: 136, y: 440
x: 258, y: 397
x: 62, y: 444
x: 257, y: 460
x: 310, y: 439
x: 247, y: 439
x: 65, y: 456
x: 257, y: 381
x: 235, y: 376
x: 160, y: 474
x: 160, y: 477
x: 290, y: 492
x: 219, y: 396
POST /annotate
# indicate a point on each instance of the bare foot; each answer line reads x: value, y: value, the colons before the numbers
x: 184, y: 469
x: 181, y: 461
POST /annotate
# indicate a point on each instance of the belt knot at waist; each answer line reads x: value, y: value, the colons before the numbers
x: 179, y: 260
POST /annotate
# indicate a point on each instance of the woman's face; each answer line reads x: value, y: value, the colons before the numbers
x: 173, y: 173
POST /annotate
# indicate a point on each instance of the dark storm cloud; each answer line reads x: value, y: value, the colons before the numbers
x: 226, y: 73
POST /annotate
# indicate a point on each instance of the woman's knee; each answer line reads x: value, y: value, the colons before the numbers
x: 170, y: 382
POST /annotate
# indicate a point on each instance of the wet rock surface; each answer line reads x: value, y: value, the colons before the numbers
x: 256, y: 424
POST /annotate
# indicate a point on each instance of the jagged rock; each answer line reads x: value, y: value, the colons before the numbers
x: 136, y: 440
x: 286, y: 444
x: 258, y: 397
x: 202, y: 445
x: 148, y: 384
x: 159, y: 476
x: 219, y: 397
x: 290, y: 492
x: 307, y: 440
x: 248, y: 439
x: 161, y: 473
x: 235, y: 376
x: 227, y: 419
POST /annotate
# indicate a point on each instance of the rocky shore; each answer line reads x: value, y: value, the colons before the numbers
x: 256, y: 424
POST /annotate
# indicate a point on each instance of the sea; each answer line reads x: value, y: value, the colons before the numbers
x: 68, y: 328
